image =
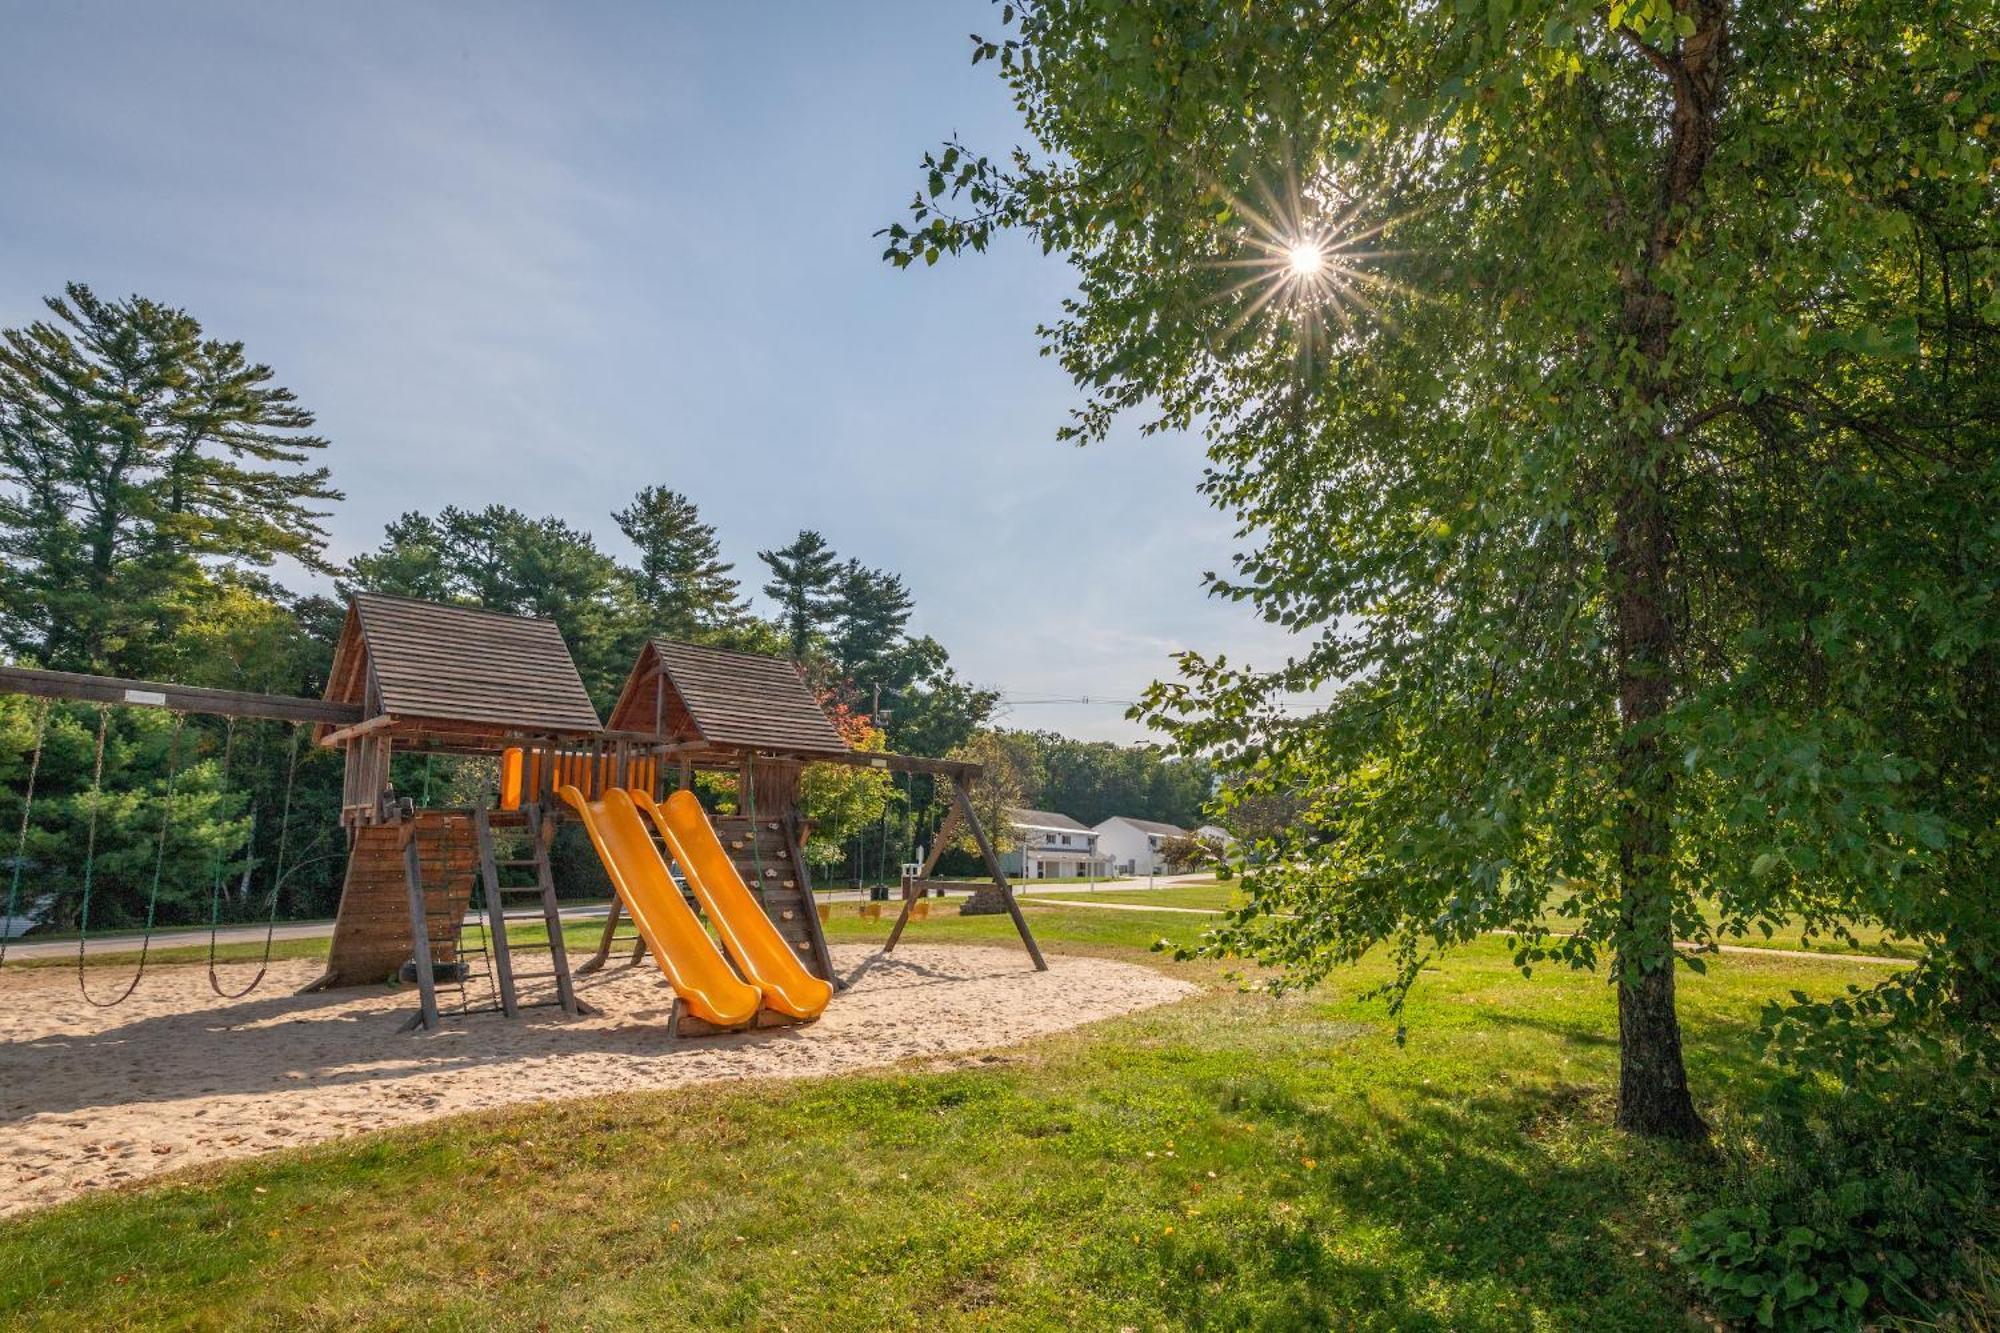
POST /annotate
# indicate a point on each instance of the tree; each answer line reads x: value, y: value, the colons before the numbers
x: 932, y: 710
x: 1093, y: 780
x: 1009, y: 773
x: 804, y: 580
x: 137, y: 459
x: 682, y: 579
x: 499, y: 559
x: 1192, y: 851
x: 841, y: 802
x: 1613, y: 395
x: 870, y: 609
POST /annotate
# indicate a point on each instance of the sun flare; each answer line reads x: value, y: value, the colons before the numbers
x: 1311, y: 263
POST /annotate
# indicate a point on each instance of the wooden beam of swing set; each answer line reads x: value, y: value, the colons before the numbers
x: 180, y: 698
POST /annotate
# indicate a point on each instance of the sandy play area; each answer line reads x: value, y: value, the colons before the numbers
x: 92, y: 1097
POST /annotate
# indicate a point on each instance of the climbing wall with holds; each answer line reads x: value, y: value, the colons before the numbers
x: 767, y: 858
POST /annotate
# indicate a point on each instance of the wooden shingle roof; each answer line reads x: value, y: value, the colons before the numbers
x: 731, y: 700
x: 424, y: 660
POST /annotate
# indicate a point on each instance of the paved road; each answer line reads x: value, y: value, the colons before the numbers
x: 182, y: 936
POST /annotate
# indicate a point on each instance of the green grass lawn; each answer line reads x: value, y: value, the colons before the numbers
x: 1230, y: 1161
x: 1867, y: 939
x: 1213, y: 897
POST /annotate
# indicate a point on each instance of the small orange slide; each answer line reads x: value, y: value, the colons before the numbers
x: 760, y: 952
x: 698, y: 973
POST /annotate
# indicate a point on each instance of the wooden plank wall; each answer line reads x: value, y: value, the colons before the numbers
x: 371, y: 932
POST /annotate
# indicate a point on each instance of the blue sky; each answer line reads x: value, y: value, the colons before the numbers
x: 544, y: 255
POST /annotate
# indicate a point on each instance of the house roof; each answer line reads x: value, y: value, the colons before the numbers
x: 728, y: 699
x: 457, y: 664
x: 1153, y: 826
x: 1047, y: 819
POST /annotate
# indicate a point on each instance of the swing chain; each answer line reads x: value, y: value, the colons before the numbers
x: 750, y: 798
x: 277, y: 878
x: 21, y: 843
x: 159, y: 865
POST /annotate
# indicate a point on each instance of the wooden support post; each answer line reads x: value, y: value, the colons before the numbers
x: 426, y: 1016
x: 938, y: 844
x: 542, y: 828
x: 963, y: 802
x: 597, y: 960
x: 496, y: 913
x: 815, y: 932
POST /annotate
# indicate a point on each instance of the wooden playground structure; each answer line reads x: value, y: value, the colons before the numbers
x: 427, y: 887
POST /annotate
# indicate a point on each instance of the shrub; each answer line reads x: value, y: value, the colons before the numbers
x: 1842, y: 1204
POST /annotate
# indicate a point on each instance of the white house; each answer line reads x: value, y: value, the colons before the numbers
x: 1051, y: 846
x: 1133, y: 845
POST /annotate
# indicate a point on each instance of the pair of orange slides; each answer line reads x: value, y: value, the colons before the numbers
x: 767, y: 977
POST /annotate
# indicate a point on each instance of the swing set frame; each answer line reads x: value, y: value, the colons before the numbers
x: 106, y: 693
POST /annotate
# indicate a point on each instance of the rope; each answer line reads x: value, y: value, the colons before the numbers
x: 159, y: 868
x: 90, y: 838
x: 21, y: 843
x: 221, y: 847
x: 277, y: 875
x: 750, y: 799
x: 880, y: 889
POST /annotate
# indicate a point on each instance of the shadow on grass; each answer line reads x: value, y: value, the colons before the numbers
x: 1512, y: 1209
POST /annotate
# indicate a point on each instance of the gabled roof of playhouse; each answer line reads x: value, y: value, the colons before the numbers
x: 424, y: 662
x: 730, y: 701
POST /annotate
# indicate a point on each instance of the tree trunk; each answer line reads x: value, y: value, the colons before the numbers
x: 1653, y: 1096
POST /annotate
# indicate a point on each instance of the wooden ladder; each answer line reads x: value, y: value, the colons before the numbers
x: 437, y: 921
x: 540, y: 834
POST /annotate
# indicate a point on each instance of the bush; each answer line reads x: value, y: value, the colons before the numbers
x: 1971, y: 1306
x: 1191, y: 852
x: 1848, y: 1204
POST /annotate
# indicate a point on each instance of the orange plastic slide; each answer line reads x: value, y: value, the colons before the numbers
x: 699, y: 974
x: 760, y: 952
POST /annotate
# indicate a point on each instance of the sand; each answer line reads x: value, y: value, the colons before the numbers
x: 92, y: 1098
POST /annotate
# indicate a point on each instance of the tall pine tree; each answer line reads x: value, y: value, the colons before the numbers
x: 139, y: 459
x: 805, y: 578
x: 682, y: 579
x: 500, y: 559
x: 871, y: 608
